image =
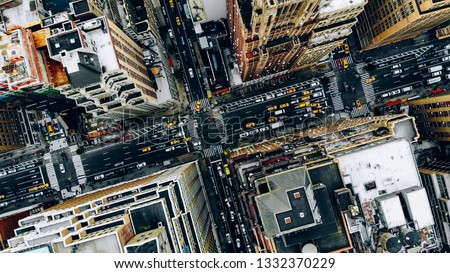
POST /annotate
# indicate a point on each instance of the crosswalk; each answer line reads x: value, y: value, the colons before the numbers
x: 360, y: 112
x: 204, y: 104
x: 416, y: 52
x: 368, y: 88
x: 79, y: 169
x: 334, y: 63
x: 52, y: 176
x: 333, y: 90
x: 213, y: 150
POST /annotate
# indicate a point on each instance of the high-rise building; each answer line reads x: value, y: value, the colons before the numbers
x: 10, y: 134
x: 436, y: 180
x: 92, y: 53
x: 385, y: 22
x: 272, y: 36
x: 167, y: 211
x: 432, y: 116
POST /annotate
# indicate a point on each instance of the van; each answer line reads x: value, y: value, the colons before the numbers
x: 407, y: 89
x: 279, y: 112
x: 397, y: 71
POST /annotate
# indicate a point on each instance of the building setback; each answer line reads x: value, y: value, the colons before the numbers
x: 272, y: 36
x: 385, y: 22
x: 432, y: 116
x: 10, y: 134
x: 164, y: 212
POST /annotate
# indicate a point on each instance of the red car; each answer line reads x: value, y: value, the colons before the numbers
x: 339, y: 64
x: 437, y: 91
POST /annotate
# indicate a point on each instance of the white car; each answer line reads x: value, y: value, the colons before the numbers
x: 98, y: 177
x: 141, y: 165
x: 446, y: 58
x: 2, y: 173
x: 170, y: 33
x: 191, y: 72
x: 61, y: 168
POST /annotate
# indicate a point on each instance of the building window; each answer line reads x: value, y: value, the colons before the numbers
x: 296, y: 195
x: 287, y: 220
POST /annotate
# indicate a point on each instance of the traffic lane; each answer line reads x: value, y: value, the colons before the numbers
x: 196, y: 88
x: 21, y: 183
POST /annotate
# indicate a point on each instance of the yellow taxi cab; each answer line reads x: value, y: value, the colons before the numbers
x: 177, y: 19
x: 284, y: 105
x: 290, y: 91
x: 175, y: 141
x: 250, y: 125
x: 272, y: 120
x: 171, y: 124
x: 317, y: 111
x: 304, y: 104
x: 358, y: 104
x: 346, y: 49
x: 371, y: 79
x: 146, y: 149
x: 305, y: 98
x: 307, y: 92
x: 210, y: 95
x: 316, y: 105
x: 271, y: 108
x: 172, y: 5
x: 186, y: 139
x: 198, y: 106
x: 344, y: 61
x: 227, y: 170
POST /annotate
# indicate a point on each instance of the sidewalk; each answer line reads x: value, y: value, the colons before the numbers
x: 23, y: 154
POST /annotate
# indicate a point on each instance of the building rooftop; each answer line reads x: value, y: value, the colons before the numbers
x: 287, y: 205
x: 21, y: 15
x: 69, y: 40
x: 380, y: 169
x: 329, y: 6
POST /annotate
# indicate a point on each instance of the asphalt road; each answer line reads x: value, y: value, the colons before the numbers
x: 119, y: 159
x: 16, y: 186
x: 184, y: 36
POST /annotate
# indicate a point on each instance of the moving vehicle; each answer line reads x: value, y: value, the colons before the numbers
x: 191, y: 72
x: 437, y: 73
x: 228, y: 238
x: 344, y: 61
x: 227, y: 170
x: 358, y: 104
x: 272, y: 108
x: 250, y: 125
x: 170, y: 33
x: 141, y: 165
x: 279, y: 112
x: 98, y: 177
x: 172, y: 5
x: 238, y: 242
x: 435, y: 68
x: 272, y: 120
x: 146, y: 149
x: 407, y: 89
x: 397, y: 71
x: 396, y: 66
x: 284, y: 105
x: 177, y: 19
x: 61, y: 168
x: 434, y: 80
x: 446, y: 58
x: 198, y: 106
x: 370, y: 80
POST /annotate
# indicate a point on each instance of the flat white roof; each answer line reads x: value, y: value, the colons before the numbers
x: 391, y: 166
x: 105, y: 48
x: 21, y: 14
x: 418, y: 206
x: 328, y: 6
x: 391, y: 210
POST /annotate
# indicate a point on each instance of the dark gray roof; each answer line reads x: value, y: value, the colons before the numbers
x: 69, y: 41
x: 89, y: 71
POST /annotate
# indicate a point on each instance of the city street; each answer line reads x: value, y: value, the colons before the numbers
x: 184, y: 37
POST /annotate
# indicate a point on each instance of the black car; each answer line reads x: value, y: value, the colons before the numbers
x: 64, y: 157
